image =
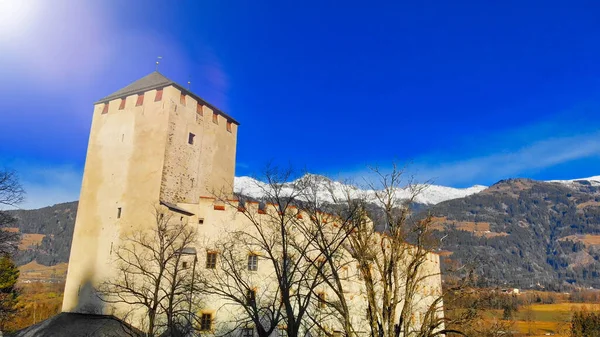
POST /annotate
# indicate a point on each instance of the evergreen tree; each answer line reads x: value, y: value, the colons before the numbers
x: 9, y: 274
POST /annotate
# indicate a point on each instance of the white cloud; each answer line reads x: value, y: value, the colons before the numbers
x: 46, y: 186
x: 532, y: 157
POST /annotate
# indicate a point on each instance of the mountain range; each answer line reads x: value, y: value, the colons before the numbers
x: 517, y: 232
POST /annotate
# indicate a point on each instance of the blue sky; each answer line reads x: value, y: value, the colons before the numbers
x: 467, y: 92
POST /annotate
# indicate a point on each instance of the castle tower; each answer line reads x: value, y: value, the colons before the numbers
x: 152, y: 142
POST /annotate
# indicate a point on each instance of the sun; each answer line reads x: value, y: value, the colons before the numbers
x: 15, y: 16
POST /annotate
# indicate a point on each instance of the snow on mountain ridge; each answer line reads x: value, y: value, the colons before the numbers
x: 594, y: 181
x: 432, y: 194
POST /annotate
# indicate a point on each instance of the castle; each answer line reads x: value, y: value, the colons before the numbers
x: 151, y: 143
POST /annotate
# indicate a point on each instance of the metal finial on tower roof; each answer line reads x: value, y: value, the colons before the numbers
x: 157, y: 62
x: 189, y: 84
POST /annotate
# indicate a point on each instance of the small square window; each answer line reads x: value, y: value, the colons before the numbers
x: 215, y: 118
x: 140, y: 100
x: 191, y: 138
x: 229, y: 126
x: 105, y: 108
x: 201, y: 221
x: 184, y: 265
x: 182, y: 99
x: 211, y: 260
x: 122, y: 105
x: 253, y: 262
x: 119, y: 213
x: 248, y: 332
x: 158, y: 96
x: 205, y: 322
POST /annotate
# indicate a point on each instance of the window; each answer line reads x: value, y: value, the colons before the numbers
x: 321, y: 300
x: 200, y: 221
x: 185, y: 265
x: 215, y: 118
x: 211, y: 260
x: 122, y: 105
x: 250, y: 297
x: 282, y: 331
x: 253, y: 262
x: 158, y: 96
x: 199, y: 109
x: 182, y: 99
x: 229, y: 126
x: 105, y: 108
x: 247, y: 332
x: 140, y: 100
x: 205, y: 322
x: 119, y: 213
x: 191, y: 138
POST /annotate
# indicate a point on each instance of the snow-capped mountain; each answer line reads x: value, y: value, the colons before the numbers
x: 594, y: 181
x: 327, y: 190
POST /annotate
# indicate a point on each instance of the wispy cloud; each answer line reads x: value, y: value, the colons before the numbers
x: 532, y: 157
x: 47, y: 186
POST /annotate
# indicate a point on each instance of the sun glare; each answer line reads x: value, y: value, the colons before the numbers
x: 15, y: 16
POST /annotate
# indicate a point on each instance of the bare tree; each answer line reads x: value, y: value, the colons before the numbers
x: 311, y: 233
x: 11, y: 194
x: 287, y: 247
x: 393, y: 252
x: 153, y: 276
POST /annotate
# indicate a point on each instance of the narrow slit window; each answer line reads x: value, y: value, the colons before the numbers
x: 253, y: 262
x: 229, y: 126
x: 158, y: 96
x: 215, y: 118
x: 191, y: 138
x: 199, y: 109
x: 182, y: 99
x: 119, y: 213
x: 321, y: 299
x: 251, y: 297
x: 140, y: 100
x: 122, y: 105
x: 105, y: 108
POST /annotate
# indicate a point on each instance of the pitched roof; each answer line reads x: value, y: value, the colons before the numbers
x: 156, y: 80
x: 151, y: 81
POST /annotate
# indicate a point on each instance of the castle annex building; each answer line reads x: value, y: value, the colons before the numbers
x: 155, y: 143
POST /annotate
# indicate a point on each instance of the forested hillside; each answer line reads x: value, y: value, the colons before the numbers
x: 522, y: 232
x: 517, y: 232
x: 56, y: 223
